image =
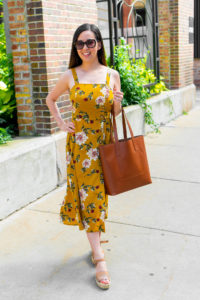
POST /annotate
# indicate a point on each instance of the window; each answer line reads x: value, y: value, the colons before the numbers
x: 196, y: 29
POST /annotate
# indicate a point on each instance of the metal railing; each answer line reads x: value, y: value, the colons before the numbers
x: 137, y: 22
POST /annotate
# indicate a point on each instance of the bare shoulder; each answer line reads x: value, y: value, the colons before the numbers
x: 114, y: 78
x: 114, y: 73
x: 66, y: 79
x: 67, y: 75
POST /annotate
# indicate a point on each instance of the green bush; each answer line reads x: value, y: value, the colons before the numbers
x: 4, y: 136
x: 134, y: 74
x: 8, y: 112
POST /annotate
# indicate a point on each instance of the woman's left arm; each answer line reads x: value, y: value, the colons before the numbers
x: 118, y: 95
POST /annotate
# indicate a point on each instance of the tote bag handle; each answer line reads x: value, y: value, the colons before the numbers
x: 124, y: 120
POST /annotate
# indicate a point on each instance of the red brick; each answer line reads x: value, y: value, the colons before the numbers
x: 21, y: 82
x: 20, y: 114
x: 23, y: 46
x: 32, y: 38
x: 24, y: 121
x: 28, y: 114
x: 24, y: 59
x: 29, y: 128
x: 11, y: 3
x: 20, y: 17
x: 24, y: 107
x: 26, y: 75
x: 31, y: 25
x: 14, y: 47
x: 20, y: 53
x: 16, y: 60
x: 20, y: 3
x: 16, y: 25
x: 13, y: 32
x: 33, y: 52
x: 21, y: 128
x: 34, y: 4
x: 11, y: 18
x: 16, y: 10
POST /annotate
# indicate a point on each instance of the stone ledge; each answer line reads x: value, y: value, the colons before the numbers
x: 183, y: 100
x: 30, y: 167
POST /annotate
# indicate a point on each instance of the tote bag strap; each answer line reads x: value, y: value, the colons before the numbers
x: 124, y: 120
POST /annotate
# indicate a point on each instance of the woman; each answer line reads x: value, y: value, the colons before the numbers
x: 90, y: 84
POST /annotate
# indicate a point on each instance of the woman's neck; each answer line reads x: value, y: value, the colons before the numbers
x: 90, y: 66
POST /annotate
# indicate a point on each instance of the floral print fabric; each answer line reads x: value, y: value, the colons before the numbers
x: 86, y: 203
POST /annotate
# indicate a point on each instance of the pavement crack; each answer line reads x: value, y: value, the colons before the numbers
x: 42, y: 211
x: 171, y: 179
x: 154, y: 228
x: 184, y: 127
x: 171, y: 145
x: 129, y: 224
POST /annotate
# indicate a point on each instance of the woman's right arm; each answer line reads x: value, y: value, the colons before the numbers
x: 61, y: 86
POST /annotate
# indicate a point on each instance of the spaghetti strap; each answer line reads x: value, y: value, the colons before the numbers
x: 74, y: 75
x: 108, y: 77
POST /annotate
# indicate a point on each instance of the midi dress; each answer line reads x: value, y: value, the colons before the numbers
x: 85, y: 202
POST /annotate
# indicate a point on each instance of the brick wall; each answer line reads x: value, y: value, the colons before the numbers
x: 176, y: 53
x: 197, y: 72
x: 164, y: 40
x: 22, y: 65
x: 61, y: 18
x: 41, y: 34
x: 186, y: 49
x: 103, y: 24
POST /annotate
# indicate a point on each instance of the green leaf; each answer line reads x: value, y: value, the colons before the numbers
x: 134, y: 74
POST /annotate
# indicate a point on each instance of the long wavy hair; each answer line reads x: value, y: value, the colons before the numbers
x: 75, y: 60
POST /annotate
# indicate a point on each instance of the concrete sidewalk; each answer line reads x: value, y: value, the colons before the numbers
x: 153, y: 231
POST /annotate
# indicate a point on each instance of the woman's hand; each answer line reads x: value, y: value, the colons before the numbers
x: 118, y: 95
x: 66, y: 126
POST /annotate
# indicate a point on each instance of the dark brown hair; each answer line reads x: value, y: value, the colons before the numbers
x: 74, y: 57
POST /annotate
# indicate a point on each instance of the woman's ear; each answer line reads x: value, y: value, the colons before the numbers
x: 98, y: 45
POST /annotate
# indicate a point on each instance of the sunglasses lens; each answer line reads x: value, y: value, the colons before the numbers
x: 91, y: 43
x: 79, y: 45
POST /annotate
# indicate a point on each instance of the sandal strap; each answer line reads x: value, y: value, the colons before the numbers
x: 97, y: 260
x: 102, y: 273
x: 104, y: 241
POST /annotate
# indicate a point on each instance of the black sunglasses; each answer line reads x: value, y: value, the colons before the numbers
x: 90, y: 43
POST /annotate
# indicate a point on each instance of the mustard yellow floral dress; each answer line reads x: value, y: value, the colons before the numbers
x: 86, y: 203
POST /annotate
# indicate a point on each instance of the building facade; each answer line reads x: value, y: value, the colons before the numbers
x: 40, y: 34
x: 197, y: 43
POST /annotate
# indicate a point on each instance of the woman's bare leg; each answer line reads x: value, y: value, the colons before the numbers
x: 94, y: 240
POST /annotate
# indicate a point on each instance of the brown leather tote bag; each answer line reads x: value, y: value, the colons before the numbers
x: 124, y: 162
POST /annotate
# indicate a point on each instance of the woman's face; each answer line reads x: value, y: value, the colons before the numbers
x: 88, y: 54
